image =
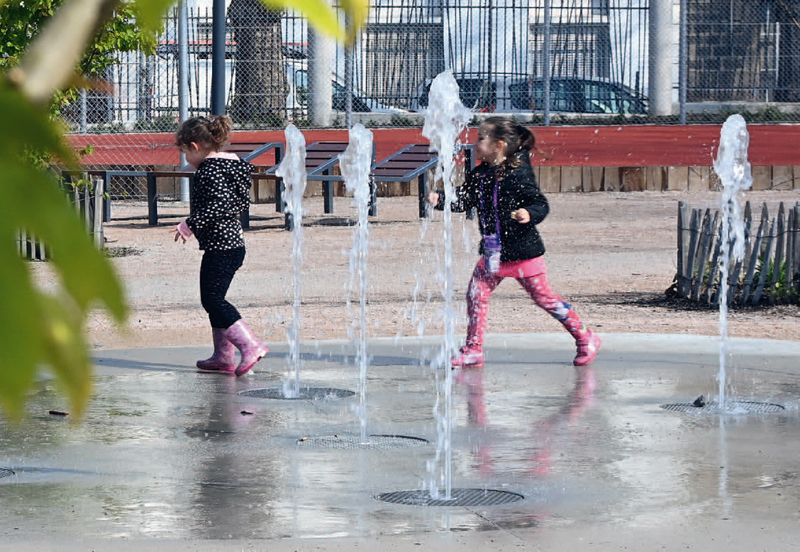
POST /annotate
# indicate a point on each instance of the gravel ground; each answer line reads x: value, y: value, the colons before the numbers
x: 612, y: 255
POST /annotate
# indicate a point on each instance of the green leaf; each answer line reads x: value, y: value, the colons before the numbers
x: 65, y: 349
x: 32, y: 128
x: 318, y: 12
x: 35, y: 204
x: 20, y: 339
x: 150, y: 13
x: 45, y: 328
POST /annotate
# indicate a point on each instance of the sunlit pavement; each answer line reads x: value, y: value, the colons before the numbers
x: 167, y: 458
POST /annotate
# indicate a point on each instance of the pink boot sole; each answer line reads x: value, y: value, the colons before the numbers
x: 217, y: 369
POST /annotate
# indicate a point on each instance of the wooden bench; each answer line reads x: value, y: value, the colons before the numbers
x: 412, y: 161
x: 321, y: 157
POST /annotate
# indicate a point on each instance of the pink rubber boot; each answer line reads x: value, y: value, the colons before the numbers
x: 224, y: 357
x: 588, y: 345
x: 468, y: 356
x: 250, y: 347
x: 479, y: 291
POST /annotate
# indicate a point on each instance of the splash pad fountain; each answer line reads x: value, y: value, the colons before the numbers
x: 293, y: 171
x: 445, y: 119
x: 355, y: 165
x: 733, y: 169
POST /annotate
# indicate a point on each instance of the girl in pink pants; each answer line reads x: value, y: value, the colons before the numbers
x: 504, y: 191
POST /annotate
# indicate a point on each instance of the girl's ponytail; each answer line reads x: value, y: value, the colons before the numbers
x: 527, y: 140
x: 219, y: 127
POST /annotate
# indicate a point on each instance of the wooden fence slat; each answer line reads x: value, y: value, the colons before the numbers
x: 748, y: 239
x: 752, y: 259
x: 790, y: 226
x: 796, y: 253
x: 87, y: 211
x: 694, y: 236
x: 780, y: 238
x: 682, y: 246
x: 702, y: 254
x: 711, y: 289
x: 97, y: 223
x: 765, y: 258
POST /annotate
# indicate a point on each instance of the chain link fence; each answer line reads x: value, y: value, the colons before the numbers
x: 546, y: 62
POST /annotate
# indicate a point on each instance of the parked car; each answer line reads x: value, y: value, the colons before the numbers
x: 577, y: 96
x: 297, y: 77
x: 521, y: 95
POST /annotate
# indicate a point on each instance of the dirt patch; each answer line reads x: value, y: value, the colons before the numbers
x: 612, y: 255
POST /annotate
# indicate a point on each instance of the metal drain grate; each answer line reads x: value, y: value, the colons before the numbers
x: 305, y: 393
x: 5, y: 472
x: 459, y: 497
x: 729, y: 407
x: 353, y: 442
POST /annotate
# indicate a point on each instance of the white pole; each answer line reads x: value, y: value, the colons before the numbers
x: 183, y: 82
x: 320, y: 75
x: 661, y: 57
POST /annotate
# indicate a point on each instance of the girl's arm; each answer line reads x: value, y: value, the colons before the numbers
x: 183, y: 232
x: 465, y: 197
x: 531, y: 199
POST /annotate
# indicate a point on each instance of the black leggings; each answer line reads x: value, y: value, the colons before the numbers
x: 216, y: 273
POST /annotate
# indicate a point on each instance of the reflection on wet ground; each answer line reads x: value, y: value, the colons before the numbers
x: 167, y: 452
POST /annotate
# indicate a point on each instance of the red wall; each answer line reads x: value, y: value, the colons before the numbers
x: 622, y: 146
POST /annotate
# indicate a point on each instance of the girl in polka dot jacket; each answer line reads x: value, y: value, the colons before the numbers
x: 503, y: 188
x: 220, y: 192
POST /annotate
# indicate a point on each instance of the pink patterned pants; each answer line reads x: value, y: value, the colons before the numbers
x: 532, y: 276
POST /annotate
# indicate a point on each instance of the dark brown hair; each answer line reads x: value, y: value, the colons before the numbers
x: 516, y: 137
x: 208, y: 132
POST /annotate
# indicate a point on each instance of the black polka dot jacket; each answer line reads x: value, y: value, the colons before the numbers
x: 517, y: 188
x: 220, y: 192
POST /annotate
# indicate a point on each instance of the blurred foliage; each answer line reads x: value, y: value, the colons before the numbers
x: 45, y: 328
x: 37, y: 327
x: 23, y: 19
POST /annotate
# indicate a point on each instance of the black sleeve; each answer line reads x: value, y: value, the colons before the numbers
x: 531, y: 197
x: 466, y: 196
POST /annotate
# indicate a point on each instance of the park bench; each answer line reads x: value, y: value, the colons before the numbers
x: 412, y: 161
x: 321, y: 157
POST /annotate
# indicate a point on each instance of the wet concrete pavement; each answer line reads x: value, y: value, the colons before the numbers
x: 168, y: 458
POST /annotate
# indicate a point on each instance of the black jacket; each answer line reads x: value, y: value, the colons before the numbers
x: 220, y: 192
x: 517, y: 188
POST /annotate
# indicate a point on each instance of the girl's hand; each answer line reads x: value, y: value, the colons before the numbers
x: 433, y: 198
x: 182, y: 232
x: 521, y: 215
